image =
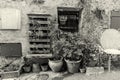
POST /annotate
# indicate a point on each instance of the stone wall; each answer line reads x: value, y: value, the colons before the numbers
x: 91, y: 26
x: 26, y: 7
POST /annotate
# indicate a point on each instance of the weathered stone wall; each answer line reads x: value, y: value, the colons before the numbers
x: 90, y: 27
x: 26, y: 7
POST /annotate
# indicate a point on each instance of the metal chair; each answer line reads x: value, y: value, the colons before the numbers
x: 110, y: 41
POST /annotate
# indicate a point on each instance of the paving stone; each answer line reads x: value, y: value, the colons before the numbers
x: 58, y: 78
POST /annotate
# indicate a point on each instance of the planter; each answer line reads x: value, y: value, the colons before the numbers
x: 94, y: 70
x: 11, y: 74
x: 55, y: 65
x: 44, y: 67
x: 73, y: 66
x: 36, y: 68
x: 27, y: 69
x: 82, y: 70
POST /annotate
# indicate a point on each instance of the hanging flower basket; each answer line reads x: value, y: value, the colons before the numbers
x: 63, y: 19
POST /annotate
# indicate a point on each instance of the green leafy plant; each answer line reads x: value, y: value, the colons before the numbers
x: 12, y: 67
x: 57, y: 45
x: 56, y: 50
x: 72, y: 48
x: 74, y: 54
x: 91, y: 55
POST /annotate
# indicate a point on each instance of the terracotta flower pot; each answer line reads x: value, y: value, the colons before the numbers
x: 44, y: 67
x: 82, y: 70
x: 36, y: 68
x: 55, y: 65
x: 27, y: 69
x: 73, y: 66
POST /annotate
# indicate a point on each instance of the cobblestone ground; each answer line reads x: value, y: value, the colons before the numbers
x: 103, y: 76
x: 113, y: 75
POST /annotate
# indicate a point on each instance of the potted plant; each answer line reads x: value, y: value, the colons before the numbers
x: 56, y: 62
x: 83, y: 61
x: 91, y: 54
x: 44, y: 67
x: 27, y: 66
x: 83, y: 70
x: 73, y: 59
x: 73, y: 53
x: 36, y: 68
x: 92, y: 58
x: 63, y: 19
x: 83, y: 64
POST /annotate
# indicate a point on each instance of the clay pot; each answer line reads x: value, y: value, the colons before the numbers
x: 82, y: 70
x: 36, y: 68
x: 55, y: 65
x: 73, y: 66
x: 27, y: 68
x: 44, y: 67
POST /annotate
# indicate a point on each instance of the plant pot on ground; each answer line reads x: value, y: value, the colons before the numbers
x: 56, y: 64
x: 82, y: 70
x: 73, y: 66
x: 27, y: 68
x: 36, y: 68
x: 44, y: 67
x: 82, y: 66
x: 27, y: 65
x: 73, y: 60
x: 92, y: 58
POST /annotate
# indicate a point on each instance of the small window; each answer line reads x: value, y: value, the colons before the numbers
x: 68, y: 18
x: 115, y: 20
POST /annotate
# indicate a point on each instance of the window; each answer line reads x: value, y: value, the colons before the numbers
x: 115, y: 20
x: 39, y: 37
x: 68, y: 18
